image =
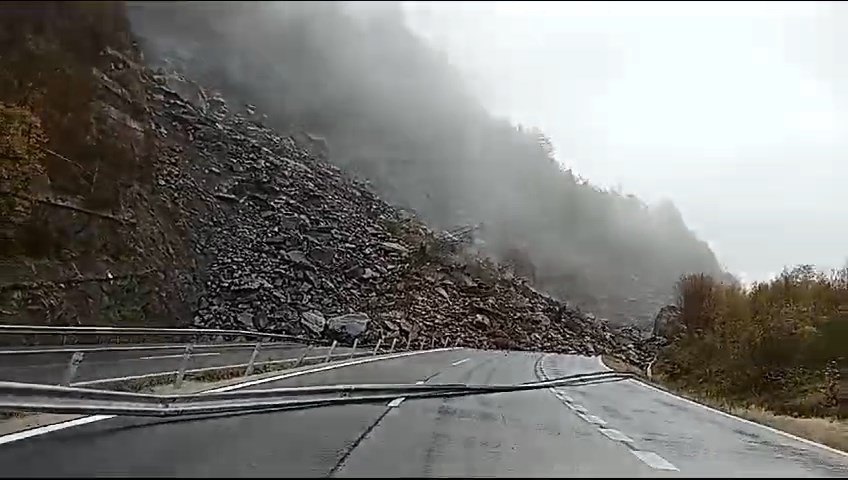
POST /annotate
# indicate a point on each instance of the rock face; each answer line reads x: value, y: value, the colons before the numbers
x: 277, y: 239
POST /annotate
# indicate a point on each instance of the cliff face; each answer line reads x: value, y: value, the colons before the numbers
x: 86, y: 238
x: 138, y: 197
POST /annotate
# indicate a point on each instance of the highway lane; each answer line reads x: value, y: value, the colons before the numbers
x: 50, y: 367
x: 614, y: 429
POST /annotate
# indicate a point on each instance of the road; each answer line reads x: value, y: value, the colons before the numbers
x: 614, y: 429
x: 51, y: 367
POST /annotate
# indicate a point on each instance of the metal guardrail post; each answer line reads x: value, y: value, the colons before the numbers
x: 408, y: 341
x: 392, y: 348
x: 303, y: 356
x: 183, y: 365
x: 249, y: 369
x: 73, y: 365
x: 330, y: 351
x: 353, y: 349
x: 377, y: 348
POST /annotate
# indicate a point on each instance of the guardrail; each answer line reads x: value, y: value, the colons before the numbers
x: 263, y: 341
x: 51, y: 399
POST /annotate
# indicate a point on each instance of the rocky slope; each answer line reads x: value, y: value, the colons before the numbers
x: 218, y: 221
x: 395, y: 111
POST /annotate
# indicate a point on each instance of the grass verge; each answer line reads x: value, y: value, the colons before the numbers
x: 828, y: 431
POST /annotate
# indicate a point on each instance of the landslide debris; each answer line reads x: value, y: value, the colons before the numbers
x: 257, y: 231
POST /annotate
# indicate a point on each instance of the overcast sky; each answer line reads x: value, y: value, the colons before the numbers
x: 736, y: 111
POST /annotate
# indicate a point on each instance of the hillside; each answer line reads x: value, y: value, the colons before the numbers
x: 183, y: 209
x: 397, y: 114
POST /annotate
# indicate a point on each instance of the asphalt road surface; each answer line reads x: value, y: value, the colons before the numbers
x: 50, y: 368
x: 614, y: 429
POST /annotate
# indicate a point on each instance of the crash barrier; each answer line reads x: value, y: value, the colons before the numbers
x: 24, y: 397
x: 192, y: 348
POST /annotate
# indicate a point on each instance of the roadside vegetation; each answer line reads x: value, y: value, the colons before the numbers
x: 774, y: 352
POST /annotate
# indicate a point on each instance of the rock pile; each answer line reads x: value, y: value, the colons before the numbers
x: 285, y: 242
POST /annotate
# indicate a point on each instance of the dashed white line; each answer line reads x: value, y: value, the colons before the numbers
x: 614, y: 434
x: 654, y: 461
x: 579, y: 408
x: 460, y: 362
x: 396, y: 402
x: 596, y: 420
x: 179, y: 355
x: 740, y: 419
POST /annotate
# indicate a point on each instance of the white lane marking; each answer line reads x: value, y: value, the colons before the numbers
x: 460, y: 362
x: 179, y: 355
x: 419, y: 382
x: 34, y: 432
x: 596, y: 420
x: 579, y: 408
x: 582, y: 416
x: 614, y: 434
x: 654, y: 461
x: 396, y: 402
x: 743, y: 420
x: 567, y: 398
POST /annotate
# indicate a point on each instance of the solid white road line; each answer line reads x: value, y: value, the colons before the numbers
x: 614, y: 434
x: 740, y: 419
x: 179, y: 355
x: 460, y: 362
x: 654, y: 461
x: 34, y: 432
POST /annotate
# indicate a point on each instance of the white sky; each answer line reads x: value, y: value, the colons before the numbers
x: 737, y: 111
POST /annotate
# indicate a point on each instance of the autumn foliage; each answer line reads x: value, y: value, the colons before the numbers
x: 21, y: 153
x: 778, y: 344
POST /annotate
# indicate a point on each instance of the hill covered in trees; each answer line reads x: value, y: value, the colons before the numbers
x: 393, y: 111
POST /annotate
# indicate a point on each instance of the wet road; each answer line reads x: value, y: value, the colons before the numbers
x: 51, y: 367
x: 614, y: 429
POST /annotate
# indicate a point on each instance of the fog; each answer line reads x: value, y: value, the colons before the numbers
x: 736, y: 111
x: 436, y: 106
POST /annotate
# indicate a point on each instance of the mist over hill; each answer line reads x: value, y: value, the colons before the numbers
x: 394, y: 111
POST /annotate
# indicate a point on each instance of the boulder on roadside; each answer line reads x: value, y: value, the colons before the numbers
x: 351, y: 325
x: 313, y: 321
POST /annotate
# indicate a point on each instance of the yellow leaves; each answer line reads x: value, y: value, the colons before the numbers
x: 21, y: 135
x: 21, y: 142
x: 769, y: 342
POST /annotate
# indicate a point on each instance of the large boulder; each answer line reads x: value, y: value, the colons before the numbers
x: 351, y: 325
x: 313, y: 321
x: 667, y: 322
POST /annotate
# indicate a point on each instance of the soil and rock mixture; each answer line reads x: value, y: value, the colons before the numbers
x: 267, y: 235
